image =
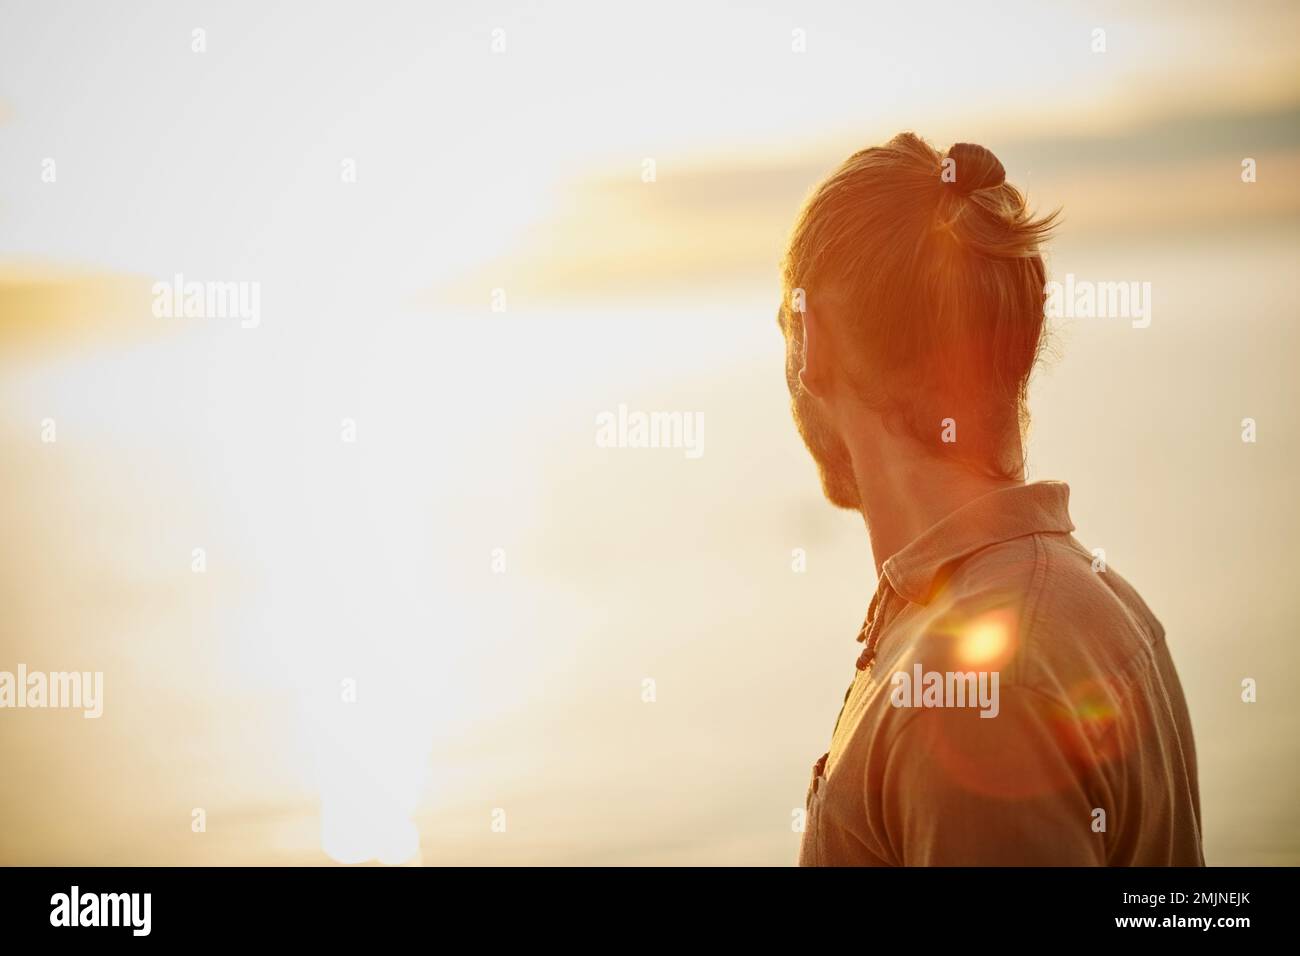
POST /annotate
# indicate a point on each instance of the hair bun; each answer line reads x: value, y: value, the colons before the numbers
x: 975, y: 168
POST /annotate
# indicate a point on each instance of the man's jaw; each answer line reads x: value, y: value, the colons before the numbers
x: 834, y: 466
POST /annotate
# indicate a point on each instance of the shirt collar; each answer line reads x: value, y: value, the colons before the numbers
x: 921, y: 568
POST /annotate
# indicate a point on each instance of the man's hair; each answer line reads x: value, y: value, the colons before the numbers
x: 930, y: 266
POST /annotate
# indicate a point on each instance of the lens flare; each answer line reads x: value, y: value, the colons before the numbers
x: 987, y: 641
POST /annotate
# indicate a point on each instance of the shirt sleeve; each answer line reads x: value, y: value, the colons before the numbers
x: 958, y: 789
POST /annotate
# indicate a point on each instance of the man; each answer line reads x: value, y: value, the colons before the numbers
x: 1015, y: 702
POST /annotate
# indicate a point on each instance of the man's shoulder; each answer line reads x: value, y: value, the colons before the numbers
x: 1042, y: 610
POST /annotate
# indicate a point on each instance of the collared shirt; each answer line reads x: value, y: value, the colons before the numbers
x: 1015, y: 704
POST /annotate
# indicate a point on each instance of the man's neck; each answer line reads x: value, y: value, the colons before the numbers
x: 904, y: 492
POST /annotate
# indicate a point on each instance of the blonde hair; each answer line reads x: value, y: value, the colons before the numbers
x: 929, y: 266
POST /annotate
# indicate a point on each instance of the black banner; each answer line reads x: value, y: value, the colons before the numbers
x: 333, y: 905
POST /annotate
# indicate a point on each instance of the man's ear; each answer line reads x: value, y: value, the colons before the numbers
x: 814, y: 374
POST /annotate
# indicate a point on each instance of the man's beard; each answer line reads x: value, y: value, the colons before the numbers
x: 827, y: 448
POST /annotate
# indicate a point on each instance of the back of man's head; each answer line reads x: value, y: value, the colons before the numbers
x: 927, y: 266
